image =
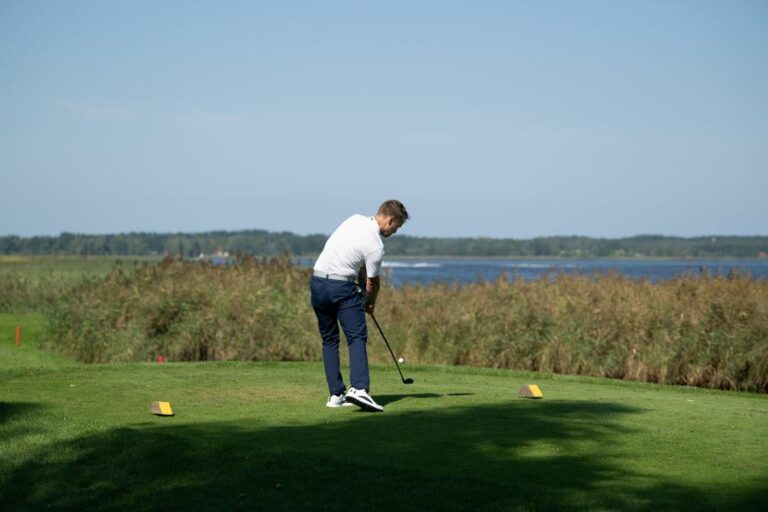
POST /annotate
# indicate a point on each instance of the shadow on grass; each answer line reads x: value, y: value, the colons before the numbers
x: 10, y: 410
x: 529, y: 456
x: 388, y: 399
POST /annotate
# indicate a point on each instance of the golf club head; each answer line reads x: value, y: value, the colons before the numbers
x: 408, y: 381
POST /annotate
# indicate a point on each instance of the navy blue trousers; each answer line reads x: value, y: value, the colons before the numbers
x: 341, y: 302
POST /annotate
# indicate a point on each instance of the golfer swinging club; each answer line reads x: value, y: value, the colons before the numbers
x: 353, y: 252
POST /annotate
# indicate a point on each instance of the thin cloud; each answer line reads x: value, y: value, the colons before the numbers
x: 209, y: 120
x: 97, y: 110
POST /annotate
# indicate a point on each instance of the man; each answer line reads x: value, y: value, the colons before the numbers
x: 353, y: 252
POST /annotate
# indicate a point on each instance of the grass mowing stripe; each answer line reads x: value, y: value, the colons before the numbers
x: 257, y: 435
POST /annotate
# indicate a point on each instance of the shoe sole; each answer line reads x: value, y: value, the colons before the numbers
x: 346, y: 404
x: 363, y: 405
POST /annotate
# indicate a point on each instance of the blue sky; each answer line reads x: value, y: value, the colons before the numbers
x: 501, y: 119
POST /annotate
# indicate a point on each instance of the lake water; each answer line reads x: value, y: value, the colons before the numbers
x: 462, y: 271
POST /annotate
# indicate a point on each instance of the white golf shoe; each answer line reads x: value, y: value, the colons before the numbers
x: 337, y: 401
x: 363, y: 400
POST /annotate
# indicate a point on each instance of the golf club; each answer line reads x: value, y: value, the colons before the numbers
x: 405, y: 381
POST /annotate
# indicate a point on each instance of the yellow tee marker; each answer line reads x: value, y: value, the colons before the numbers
x: 530, y: 391
x: 161, y: 408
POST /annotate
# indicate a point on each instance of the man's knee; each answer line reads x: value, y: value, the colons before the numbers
x: 357, y: 334
x: 331, y: 340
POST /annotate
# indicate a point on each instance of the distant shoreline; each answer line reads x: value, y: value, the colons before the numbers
x: 28, y: 258
x: 262, y: 243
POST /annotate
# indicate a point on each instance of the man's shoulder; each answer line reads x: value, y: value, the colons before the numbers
x: 353, y: 220
x: 358, y: 218
x: 364, y: 230
x: 360, y: 222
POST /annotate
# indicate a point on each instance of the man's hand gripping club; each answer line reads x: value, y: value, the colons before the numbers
x: 371, y: 290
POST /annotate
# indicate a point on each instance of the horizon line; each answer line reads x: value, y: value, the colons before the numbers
x: 466, y: 237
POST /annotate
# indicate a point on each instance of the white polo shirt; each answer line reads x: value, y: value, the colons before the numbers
x: 355, y: 243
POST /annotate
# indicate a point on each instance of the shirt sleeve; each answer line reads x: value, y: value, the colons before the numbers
x: 373, y: 262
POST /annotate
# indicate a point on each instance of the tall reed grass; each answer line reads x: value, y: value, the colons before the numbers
x: 22, y: 292
x: 696, y: 330
x: 30, y: 283
x: 699, y: 331
x: 188, y: 311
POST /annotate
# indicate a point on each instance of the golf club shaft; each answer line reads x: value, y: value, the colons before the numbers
x: 390, y: 348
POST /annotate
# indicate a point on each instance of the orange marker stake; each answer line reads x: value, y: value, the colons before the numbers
x: 18, y: 335
x: 160, y: 359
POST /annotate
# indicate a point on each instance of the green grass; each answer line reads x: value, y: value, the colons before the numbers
x: 73, y: 267
x: 27, y: 354
x: 256, y: 436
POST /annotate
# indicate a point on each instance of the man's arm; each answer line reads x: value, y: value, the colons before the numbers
x: 372, y: 288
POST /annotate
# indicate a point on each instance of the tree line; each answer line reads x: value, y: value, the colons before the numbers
x: 265, y: 243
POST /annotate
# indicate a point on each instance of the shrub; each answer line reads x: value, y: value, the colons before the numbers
x: 189, y: 311
x: 694, y: 330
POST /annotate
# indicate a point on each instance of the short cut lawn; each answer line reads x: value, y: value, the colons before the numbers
x: 257, y: 436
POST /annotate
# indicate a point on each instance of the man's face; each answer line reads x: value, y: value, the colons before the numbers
x: 390, y: 228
